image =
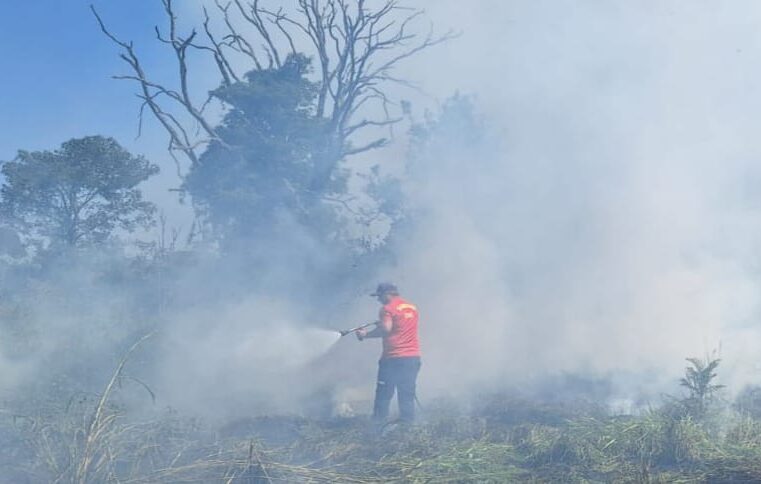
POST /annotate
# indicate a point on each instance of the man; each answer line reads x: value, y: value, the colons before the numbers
x: 400, y: 361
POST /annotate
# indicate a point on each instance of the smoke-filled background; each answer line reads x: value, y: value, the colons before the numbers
x: 584, y: 206
x: 611, y: 224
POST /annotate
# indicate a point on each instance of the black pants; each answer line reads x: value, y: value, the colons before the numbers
x: 397, y: 374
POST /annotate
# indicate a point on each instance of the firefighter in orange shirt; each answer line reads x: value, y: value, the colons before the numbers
x: 400, y: 361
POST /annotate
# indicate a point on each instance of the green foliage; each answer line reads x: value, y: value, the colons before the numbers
x: 78, y: 194
x: 275, y: 160
x: 698, y: 380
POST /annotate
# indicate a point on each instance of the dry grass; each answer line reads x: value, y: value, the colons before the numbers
x: 509, y: 440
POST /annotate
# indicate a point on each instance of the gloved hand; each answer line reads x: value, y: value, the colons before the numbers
x: 361, y: 333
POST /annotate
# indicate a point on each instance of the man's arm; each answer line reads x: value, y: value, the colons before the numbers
x: 375, y: 333
x: 382, y: 328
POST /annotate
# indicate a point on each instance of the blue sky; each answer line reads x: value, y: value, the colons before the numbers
x: 57, y: 85
x: 57, y: 65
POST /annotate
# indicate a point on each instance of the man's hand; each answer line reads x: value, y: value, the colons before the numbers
x: 361, y: 333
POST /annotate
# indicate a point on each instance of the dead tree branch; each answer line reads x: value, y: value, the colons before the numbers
x: 356, y: 47
x: 149, y: 92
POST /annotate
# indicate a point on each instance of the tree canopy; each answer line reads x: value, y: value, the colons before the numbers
x: 275, y: 158
x: 78, y: 194
x: 278, y: 153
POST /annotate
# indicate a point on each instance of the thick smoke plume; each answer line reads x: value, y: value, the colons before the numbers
x: 587, y: 207
x: 611, y: 228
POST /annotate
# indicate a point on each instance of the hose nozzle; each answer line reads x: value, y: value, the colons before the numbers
x: 352, y: 330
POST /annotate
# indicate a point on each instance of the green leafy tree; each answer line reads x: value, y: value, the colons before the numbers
x: 272, y: 185
x: 275, y: 161
x: 271, y: 179
x: 76, y: 195
x: 309, y: 120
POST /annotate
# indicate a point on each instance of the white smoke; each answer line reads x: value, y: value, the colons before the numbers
x: 615, y: 229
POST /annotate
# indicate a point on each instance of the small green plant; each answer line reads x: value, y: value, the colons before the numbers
x: 698, y: 380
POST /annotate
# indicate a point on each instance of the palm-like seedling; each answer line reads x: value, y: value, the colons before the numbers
x: 698, y: 379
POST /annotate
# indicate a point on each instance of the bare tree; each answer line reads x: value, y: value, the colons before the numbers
x: 357, y: 48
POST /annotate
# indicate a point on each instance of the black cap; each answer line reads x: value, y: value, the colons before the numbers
x: 385, y: 288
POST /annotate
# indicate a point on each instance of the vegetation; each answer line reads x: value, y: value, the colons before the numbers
x: 76, y: 195
x: 273, y: 156
x: 505, y: 439
x: 284, y: 212
x: 698, y: 380
x: 447, y: 448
